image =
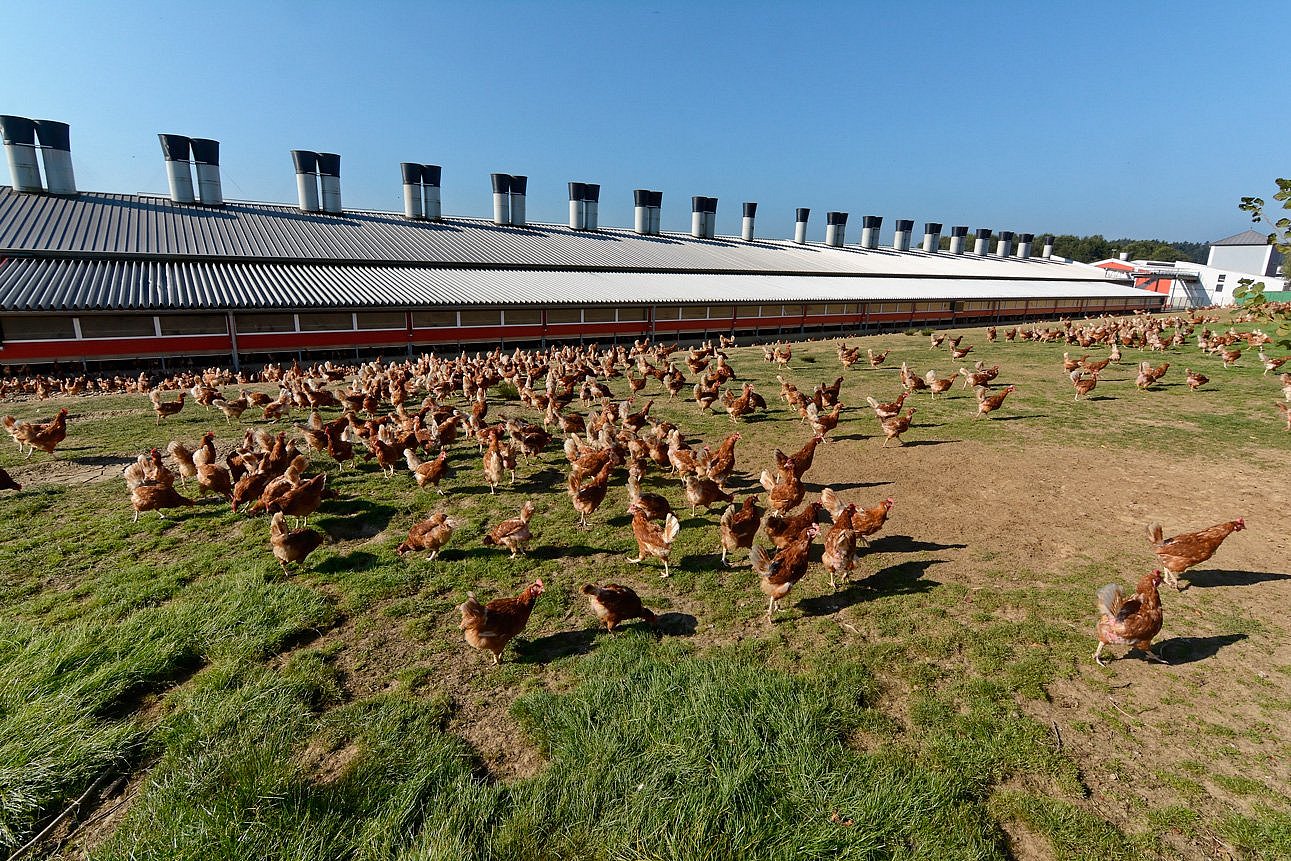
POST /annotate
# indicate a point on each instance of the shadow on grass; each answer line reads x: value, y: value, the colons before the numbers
x: 359, y: 560
x: 553, y: 646
x: 919, y: 442
x: 1023, y: 417
x: 678, y: 624
x: 906, y: 544
x: 1189, y: 650
x: 906, y: 578
x: 355, y: 518
x: 552, y: 552
x: 1220, y: 577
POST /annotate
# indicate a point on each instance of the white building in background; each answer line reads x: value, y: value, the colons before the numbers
x: 1194, y: 285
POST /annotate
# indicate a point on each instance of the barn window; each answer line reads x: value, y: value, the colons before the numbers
x: 746, y: 311
x: 523, y: 316
x: 39, y: 328
x: 251, y: 323
x: 694, y: 312
x: 634, y: 313
x: 667, y: 312
x: 117, y: 326
x: 564, y: 315
x: 194, y: 324
x: 817, y: 310
x: 333, y: 322
x: 598, y: 315
x: 432, y: 319
x: 481, y: 317
x: 383, y: 320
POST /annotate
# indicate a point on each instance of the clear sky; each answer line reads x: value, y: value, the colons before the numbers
x: 1140, y: 119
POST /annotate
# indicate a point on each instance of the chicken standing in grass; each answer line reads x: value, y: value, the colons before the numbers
x: 155, y: 497
x: 839, y: 557
x: 613, y: 603
x: 653, y: 540
x: 739, y: 526
x: 430, y: 535
x: 490, y: 627
x: 1132, y: 621
x: 513, y: 534
x: 291, y: 547
x: 786, y: 568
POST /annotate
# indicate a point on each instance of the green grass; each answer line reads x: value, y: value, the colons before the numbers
x: 322, y: 715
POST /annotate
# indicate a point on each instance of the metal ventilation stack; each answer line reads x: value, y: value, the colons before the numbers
x: 1047, y: 252
x: 179, y: 175
x: 901, y: 238
x: 430, y: 177
x: 206, y: 160
x: 746, y: 226
x: 20, y: 148
x: 306, y: 164
x: 519, y: 185
x: 835, y: 228
x: 982, y: 242
x: 56, y: 152
x: 1025, y: 241
x: 931, y: 237
x: 958, y: 236
x: 870, y: 227
x: 329, y: 181
x: 800, y: 225
x: 1004, y: 247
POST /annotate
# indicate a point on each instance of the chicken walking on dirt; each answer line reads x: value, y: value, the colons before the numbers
x: 1182, y: 552
x: 1132, y: 621
x: 490, y: 627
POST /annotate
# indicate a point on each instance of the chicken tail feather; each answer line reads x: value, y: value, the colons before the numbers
x: 1155, y: 533
x: 1110, y: 598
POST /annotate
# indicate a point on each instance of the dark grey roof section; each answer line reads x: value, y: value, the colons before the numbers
x: 44, y: 285
x: 133, y: 226
x: 1246, y: 237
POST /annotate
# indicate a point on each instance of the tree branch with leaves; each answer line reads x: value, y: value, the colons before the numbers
x: 1250, y: 293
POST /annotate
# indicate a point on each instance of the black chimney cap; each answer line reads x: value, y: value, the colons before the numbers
x: 905, y: 224
x: 206, y: 151
x: 412, y: 173
x: 983, y: 233
x: 306, y: 161
x: 519, y: 184
x: 430, y: 175
x: 1006, y: 235
x: 54, y: 135
x: 1048, y: 239
x: 656, y: 199
x: 874, y: 222
x: 710, y: 205
x: 697, y: 204
x: 959, y: 230
x: 835, y: 217
x: 750, y: 210
x: 329, y: 164
x: 501, y: 183
x: 592, y: 192
x: 801, y: 214
x: 18, y: 130
x: 1027, y: 237
x: 174, y: 147
x: 578, y: 191
x: 931, y: 227
x: 641, y: 197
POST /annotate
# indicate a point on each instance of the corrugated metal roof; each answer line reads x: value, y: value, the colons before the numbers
x: 45, y: 285
x: 1246, y: 237
x: 116, y: 225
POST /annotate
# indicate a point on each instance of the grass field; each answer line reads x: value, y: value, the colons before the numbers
x: 943, y: 706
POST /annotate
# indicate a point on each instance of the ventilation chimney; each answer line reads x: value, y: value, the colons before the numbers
x: 1048, y: 247
x: 982, y: 244
x: 641, y: 207
x: 577, y: 210
x: 1024, y: 245
x: 931, y: 237
x: 870, y: 226
x: 329, y: 180
x: 430, y: 174
x: 206, y: 157
x: 412, y: 202
x: 957, y: 234
x: 592, y: 206
x: 501, y: 198
x: 56, y: 152
x: 306, y: 163
x: 710, y: 218
x: 901, y: 239
x: 656, y: 212
x: 1124, y: 256
x: 835, y: 228
x: 800, y: 225
x: 179, y: 176
x: 20, y: 148
x: 746, y: 227
x: 518, y: 186
x: 698, y: 217
x: 1004, y: 247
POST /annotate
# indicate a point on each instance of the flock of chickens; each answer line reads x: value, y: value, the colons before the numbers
x: 400, y: 416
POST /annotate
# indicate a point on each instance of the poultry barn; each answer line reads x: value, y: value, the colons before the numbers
x: 99, y: 277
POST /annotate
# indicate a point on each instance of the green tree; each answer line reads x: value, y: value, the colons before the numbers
x: 1250, y: 293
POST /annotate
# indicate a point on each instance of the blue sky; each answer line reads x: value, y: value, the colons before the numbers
x: 1126, y: 119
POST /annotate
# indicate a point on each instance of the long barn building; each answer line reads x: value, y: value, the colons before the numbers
x: 88, y: 276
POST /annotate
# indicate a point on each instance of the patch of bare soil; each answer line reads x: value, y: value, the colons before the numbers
x: 1036, y: 514
x: 67, y: 471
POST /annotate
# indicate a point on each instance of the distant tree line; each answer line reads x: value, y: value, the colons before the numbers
x: 1088, y: 249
